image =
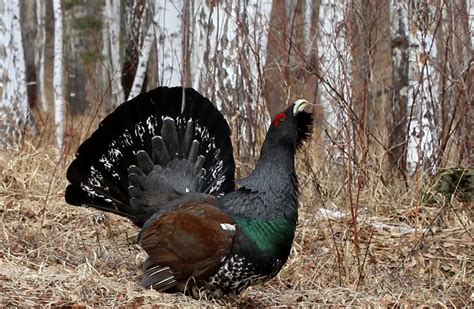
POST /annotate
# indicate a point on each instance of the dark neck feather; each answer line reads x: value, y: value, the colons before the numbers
x: 270, y: 191
x: 275, y: 169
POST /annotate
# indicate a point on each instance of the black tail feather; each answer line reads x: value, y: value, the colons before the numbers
x: 187, y: 137
x: 193, y: 152
x: 170, y: 137
x: 148, y: 132
x: 144, y: 162
x: 160, y: 153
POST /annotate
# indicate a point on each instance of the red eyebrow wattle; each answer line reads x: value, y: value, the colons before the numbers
x: 278, y: 118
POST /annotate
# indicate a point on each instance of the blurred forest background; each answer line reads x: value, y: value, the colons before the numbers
x: 393, y: 79
x: 387, y: 180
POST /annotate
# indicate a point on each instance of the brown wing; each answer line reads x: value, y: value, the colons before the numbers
x: 189, y: 242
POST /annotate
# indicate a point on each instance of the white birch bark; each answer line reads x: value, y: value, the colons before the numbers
x: 228, y: 56
x: 58, y: 74
x: 145, y: 54
x: 335, y: 55
x: 335, y: 58
x: 112, y: 48
x: 214, y: 55
x: 14, y: 109
x: 39, y: 56
x: 422, y: 128
x: 470, y: 10
x: 107, y: 71
x: 169, y: 42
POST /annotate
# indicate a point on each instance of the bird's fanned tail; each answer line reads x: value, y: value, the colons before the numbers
x: 152, y: 150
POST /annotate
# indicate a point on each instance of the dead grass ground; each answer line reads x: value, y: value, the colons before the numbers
x: 56, y: 255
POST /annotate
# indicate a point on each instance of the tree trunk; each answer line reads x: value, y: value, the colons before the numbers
x: 39, y: 56
x: 397, y: 125
x: 134, y: 18
x: 112, y: 50
x: 14, y: 109
x: 228, y: 52
x: 28, y: 29
x: 461, y: 63
x: 144, y: 54
x: 276, y: 71
x: 169, y: 43
x: 82, y: 25
x: 372, y: 79
x: 58, y: 74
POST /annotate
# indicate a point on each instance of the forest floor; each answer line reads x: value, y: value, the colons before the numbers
x: 52, y: 254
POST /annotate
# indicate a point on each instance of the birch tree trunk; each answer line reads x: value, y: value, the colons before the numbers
x: 426, y: 100
x: 134, y: 18
x: 169, y: 42
x: 398, y: 117
x: 39, y: 57
x: 229, y: 40
x: 144, y: 53
x: 58, y: 74
x: 14, y: 109
x: 334, y: 54
x: 112, y: 49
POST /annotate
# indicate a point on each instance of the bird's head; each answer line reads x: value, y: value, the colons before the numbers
x: 293, y: 125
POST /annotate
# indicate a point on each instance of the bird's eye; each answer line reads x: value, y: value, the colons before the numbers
x: 278, y: 119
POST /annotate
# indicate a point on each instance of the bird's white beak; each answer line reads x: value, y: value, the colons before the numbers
x: 300, y: 106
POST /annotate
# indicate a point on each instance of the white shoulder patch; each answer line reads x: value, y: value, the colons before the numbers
x: 228, y: 227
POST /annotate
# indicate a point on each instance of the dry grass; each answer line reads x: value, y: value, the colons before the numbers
x: 54, y: 254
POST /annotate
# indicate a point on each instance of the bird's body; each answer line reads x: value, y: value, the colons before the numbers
x: 165, y: 162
